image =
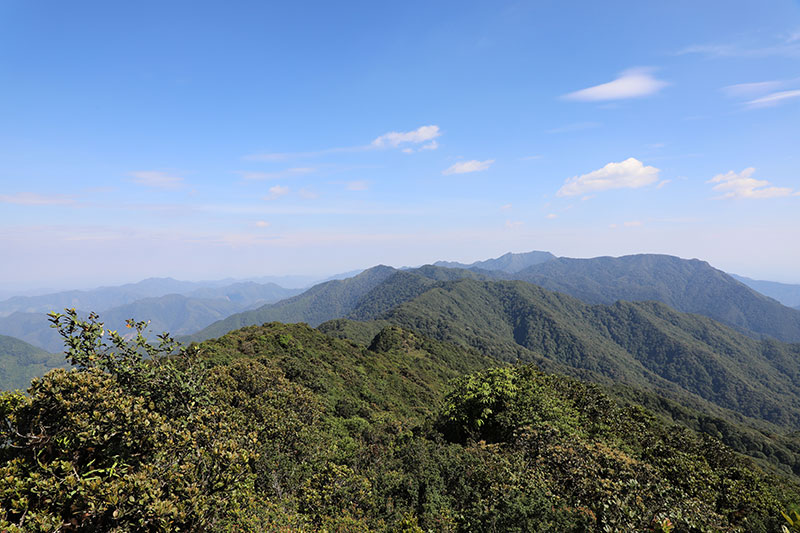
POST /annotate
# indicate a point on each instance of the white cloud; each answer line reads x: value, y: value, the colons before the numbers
x: 360, y: 185
x: 288, y: 173
x: 628, y: 174
x: 393, y: 139
x: 513, y: 224
x: 743, y: 185
x: 662, y: 183
x: 276, y: 192
x: 632, y: 83
x: 262, y: 224
x: 551, y: 216
x: 506, y: 207
x: 468, y: 166
x: 774, y: 98
x: 633, y: 224
x: 32, y: 198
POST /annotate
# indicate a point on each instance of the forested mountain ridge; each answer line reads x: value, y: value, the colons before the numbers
x: 282, y: 425
x: 322, y: 302
x: 638, y: 342
x: 688, y: 285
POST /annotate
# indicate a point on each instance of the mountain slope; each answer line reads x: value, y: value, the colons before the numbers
x: 645, y: 344
x: 20, y: 362
x: 785, y: 293
x: 33, y: 328
x: 318, y: 304
x: 690, y: 286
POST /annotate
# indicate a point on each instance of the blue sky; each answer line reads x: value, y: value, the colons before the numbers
x: 202, y: 140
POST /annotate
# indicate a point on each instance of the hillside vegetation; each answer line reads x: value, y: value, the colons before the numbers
x: 691, y: 286
x: 281, y: 427
x: 20, y: 362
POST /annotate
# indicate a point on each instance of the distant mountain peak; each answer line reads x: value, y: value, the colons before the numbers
x: 509, y: 262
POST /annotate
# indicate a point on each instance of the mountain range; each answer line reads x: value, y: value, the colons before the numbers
x: 690, y: 286
x: 195, y: 307
x: 681, y: 367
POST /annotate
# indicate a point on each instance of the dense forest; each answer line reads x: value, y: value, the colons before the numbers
x: 284, y: 428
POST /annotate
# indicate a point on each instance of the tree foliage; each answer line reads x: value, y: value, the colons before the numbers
x: 282, y: 428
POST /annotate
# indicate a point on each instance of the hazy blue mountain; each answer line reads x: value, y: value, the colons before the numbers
x: 179, y: 314
x: 318, y: 304
x: 245, y: 293
x: 98, y: 299
x: 20, y: 362
x: 104, y: 298
x: 509, y: 262
x: 32, y: 328
x: 691, y: 286
x: 785, y: 293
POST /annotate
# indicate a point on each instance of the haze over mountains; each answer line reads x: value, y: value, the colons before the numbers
x: 177, y: 306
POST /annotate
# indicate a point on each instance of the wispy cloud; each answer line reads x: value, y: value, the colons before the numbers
x: 262, y: 224
x: 530, y: 157
x: 468, y: 166
x: 632, y: 83
x: 511, y: 224
x: 424, y: 135
x: 276, y: 192
x: 32, y: 198
x: 551, y: 216
x: 506, y: 207
x: 157, y: 180
x: 774, y: 98
x: 288, y: 173
x: 744, y: 90
x: 789, y: 47
x: 628, y: 174
x: 764, y: 93
x: 743, y: 185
